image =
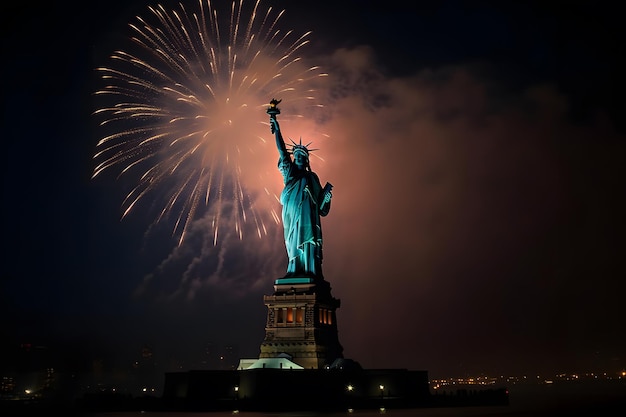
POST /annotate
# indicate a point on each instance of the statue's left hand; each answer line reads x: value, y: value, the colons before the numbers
x: 327, y: 196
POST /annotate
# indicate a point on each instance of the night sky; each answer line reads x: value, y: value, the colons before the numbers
x: 477, y: 153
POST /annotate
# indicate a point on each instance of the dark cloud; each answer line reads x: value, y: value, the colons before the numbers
x: 463, y: 215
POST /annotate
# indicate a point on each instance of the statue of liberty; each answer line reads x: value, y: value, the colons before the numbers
x: 304, y: 201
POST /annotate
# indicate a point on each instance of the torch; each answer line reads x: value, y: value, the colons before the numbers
x: 273, y: 110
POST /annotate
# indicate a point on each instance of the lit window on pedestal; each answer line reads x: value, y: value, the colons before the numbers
x: 289, y: 315
x: 299, y: 315
x: 325, y: 316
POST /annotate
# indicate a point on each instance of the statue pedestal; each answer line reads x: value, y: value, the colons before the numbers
x: 302, y: 323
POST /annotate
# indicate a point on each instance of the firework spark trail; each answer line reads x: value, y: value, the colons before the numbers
x: 184, y: 111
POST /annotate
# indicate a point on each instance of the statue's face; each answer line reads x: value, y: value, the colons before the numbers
x: 300, y: 159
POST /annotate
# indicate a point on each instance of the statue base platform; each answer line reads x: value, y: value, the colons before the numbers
x: 300, y: 285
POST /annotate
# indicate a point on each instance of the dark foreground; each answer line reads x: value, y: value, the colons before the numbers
x: 94, y: 404
x: 600, y: 399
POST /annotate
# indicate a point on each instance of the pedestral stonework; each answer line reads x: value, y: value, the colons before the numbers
x: 302, y: 323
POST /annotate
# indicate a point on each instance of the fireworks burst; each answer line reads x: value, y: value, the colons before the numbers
x: 185, y: 110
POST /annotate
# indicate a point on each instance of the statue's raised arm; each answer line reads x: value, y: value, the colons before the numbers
x: 280, y: 142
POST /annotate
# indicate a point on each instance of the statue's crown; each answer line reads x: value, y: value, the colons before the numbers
x: 299, y: 147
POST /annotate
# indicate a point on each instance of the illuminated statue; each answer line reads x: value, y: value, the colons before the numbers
x: 304, y: 201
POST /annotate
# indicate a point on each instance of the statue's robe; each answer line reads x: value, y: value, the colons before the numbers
x: 302, y: 200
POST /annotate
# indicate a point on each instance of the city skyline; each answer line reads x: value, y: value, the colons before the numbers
x: 476, y: 153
